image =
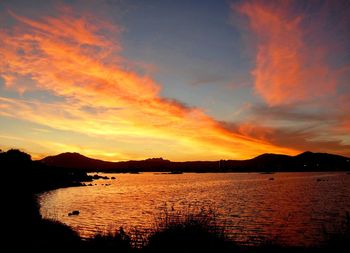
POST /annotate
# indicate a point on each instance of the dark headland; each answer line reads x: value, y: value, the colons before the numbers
x: 304, y: 162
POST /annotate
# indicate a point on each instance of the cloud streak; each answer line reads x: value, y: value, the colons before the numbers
x: 301, y: 73
x: 288, y: 68
x: 71, y: 57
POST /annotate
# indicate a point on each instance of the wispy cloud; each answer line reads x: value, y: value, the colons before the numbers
x: 301, y: 73
x: 311, y: 137
x: 72, y: 57
x: 288, y: 68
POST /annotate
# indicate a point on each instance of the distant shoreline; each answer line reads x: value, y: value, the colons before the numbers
x: 265, y: 163
x: 345, y: 172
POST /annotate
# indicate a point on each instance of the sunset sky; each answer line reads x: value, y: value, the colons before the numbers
x: 182, y: 80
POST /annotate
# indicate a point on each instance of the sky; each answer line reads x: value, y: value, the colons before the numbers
x: 183, y: 80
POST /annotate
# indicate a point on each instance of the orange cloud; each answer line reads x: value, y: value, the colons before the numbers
x: 301, y: 138
x: 69, y: 57
x: 288, y: 70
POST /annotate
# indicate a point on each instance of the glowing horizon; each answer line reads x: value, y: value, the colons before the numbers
x: 70, y: 86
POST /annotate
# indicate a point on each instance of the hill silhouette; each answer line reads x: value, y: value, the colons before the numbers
x: 77, y: 161
x: 307, y: 161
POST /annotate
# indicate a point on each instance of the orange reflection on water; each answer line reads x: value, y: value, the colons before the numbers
x: 292, y: 209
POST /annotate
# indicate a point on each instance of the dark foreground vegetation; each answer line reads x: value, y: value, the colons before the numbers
x: 24, y: 230
x: 21, y: 180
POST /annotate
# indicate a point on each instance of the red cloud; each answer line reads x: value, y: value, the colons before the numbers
x: 69, y: 57
x: 288, y: 69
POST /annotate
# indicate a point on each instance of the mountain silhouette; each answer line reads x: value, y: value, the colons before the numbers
x: 77, y: 161
x: 307, y: 161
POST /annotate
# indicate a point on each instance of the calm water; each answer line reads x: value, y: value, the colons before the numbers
x: 294, y: 208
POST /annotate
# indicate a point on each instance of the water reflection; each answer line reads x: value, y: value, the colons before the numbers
x: 294, y: 208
